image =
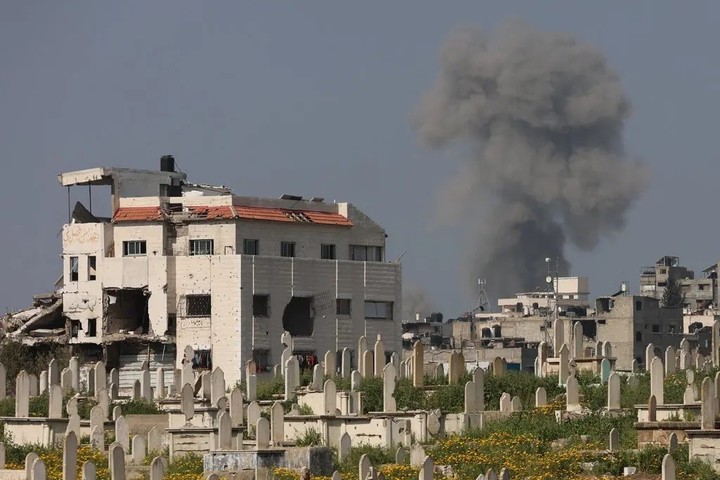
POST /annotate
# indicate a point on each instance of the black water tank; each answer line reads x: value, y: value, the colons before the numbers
x: 167, y: 163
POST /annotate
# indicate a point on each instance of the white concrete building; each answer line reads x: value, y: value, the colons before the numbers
x: 184, y: 264
x: 569, y: 292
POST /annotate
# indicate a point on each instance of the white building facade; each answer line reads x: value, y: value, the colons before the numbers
x: 190, y: 265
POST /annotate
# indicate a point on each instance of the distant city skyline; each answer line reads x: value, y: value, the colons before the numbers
x: 316, y: 100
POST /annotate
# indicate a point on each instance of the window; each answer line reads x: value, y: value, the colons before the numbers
x: 202, y: 360
x: 92, y: 327
x: 343, y: 306
x: 327, y: 252
x: 251, y: 246
x: 74, y: 328
x: 662, y: 284
x: 656, y: 328
x: 92, y: 267
x: 198, y: 305
x: 701, y: 286
x: 287, y: 249
x: 378, y: 310
x: 202, y: 247
x: 638, y: 336
x: 663, y: 271
x: 171, y: 324
x: 73, y: 269
x: 602, y: 322
x: 133, y: 248
x: 261, y: 305
x: 366, y: 254
x: 671, y: 329
x: 638, y: 305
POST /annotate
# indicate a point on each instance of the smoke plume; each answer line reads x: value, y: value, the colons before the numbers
x: 416, y: 300
x: 542, y: 116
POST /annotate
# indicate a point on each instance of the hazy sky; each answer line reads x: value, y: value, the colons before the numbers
x: 314, y: 99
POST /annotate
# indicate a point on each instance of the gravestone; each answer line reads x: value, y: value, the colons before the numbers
x: 116, y: 461
x: 159, y: 383
x: 122, y: 433
x: 345, y: 446
x: 38, y: 470
x: 708, y: 405
x: 418, y: 358
x: 329, y: 364
x: 540, y: 397
x: 104, y: 401
x: 188, y: 375
x: 364, y: 466
x: 53, y: 373
x: 379, y: 356
x: 368, y: 370
x: 55, y: 402
x: 652, y: 409
x: 667, y: 471
x: 515, y: 404
x: 187, y: 401
x: 577, y: 340
x: 505, y: 402
x: 607, y: 350
x: 389, y: 377
x: 71, y: 407
x: 97, y: 438
x: 236, y: 407
x: 251, y: 388
x: 224, y: 431
x: 558, y: 335
x: 672, y: 442
x: 345, y: 367
x: 22, y: 395
x: 649, y: 355
x: 670, y: 360
x: 100, y: 377
x: 43, y: 383
x: 137, y: 391
x: 614, y: 442
x: 329, y: 398
x: 262, y: 434
x: 292, y: 377
x: 317, y: 378
x: 74, y: 366
x: 355, y: 379
x: 253, y: 413
x: 89, y: 471
x: 479, y: 382
x: 564, y: 363
x: 498, y: 367
x: 426, y: 469
x: 157, y: 469
x: 154, y: 440
x: 614, y: 391
x: 572, y: 394
x: 656, y: 379
x: 277, y: 424
x: 217, y: 385
x: 34, y: 385
x: 605, y: 370
x: 139, y: 449
x: 66, y: 380
x: 70, y: 456
x: 73, y: 425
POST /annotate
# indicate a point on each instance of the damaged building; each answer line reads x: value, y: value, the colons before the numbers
x: 179, y: 264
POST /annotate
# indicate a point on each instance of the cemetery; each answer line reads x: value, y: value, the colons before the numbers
x: 575, y: 417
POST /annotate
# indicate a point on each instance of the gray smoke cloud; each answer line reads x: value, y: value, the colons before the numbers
x: 542, y: 116
x: 416, y: 300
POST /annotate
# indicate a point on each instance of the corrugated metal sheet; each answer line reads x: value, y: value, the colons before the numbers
x: 131, y: 364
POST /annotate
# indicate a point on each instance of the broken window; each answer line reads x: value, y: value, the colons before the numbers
x: 261, y: 305
x: 74, y: 328
x: 202, y: 247
x: 133, y: 248
x: 364, y: 253
x: 202, y: 360
x: 327, y: 252
x: 198, y: 305
x: 127, y: 310
x: 287, y: 249
x: 298, y: 317
x: 251, y: 246
x: 92, y: 267
x: 73, y: 269
x: 343, y: 306
x: 171, y: 324
x: 378, y: 310
x: 92, y: 327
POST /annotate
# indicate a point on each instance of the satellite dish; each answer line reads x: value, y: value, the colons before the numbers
x: 548, y: 279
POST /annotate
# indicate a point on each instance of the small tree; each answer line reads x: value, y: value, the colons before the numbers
x: 673, y: 296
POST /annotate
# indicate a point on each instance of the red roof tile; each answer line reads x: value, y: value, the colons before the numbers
x: 137, y: 214
x: 226, y: 212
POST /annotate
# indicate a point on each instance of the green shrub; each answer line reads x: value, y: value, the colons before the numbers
x: 268, y: 389
x: 310, y: 438
x: 139, y: 407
